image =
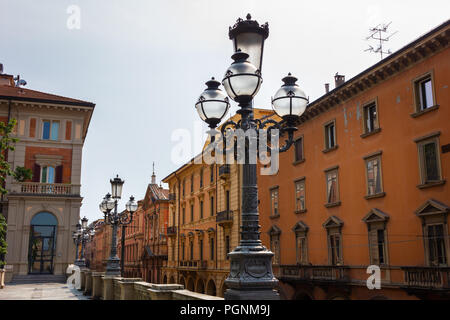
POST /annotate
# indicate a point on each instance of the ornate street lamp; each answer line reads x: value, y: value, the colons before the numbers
x: 251, y: 276
x: 115, y: 219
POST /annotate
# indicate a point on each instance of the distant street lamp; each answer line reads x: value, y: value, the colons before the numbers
x: 80, y: 237
x: 115, y: 219
x: 251, y: 276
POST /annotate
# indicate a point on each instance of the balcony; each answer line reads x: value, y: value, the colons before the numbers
x: 172, y: 231
x: 224, y: 218
x: 45, y: 189
x: 314, y: 273
x: 224, y: 171
x: 437, y: 278
x: 172, y: 197
x: 193, y: 264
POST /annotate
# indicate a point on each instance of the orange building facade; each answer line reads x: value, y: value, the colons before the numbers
x: 366, y: 184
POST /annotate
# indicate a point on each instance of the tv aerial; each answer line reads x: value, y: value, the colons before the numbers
x: 378, y: 33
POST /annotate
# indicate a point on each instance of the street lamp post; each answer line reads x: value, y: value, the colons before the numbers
x: 114, y: 219
x: 80, y: 237
x: 251, y: 276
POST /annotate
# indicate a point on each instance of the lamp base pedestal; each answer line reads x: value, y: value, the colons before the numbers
x: 251, y: 276
x: 113, y: 267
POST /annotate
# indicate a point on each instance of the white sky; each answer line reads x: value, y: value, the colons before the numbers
x: 144, y: 64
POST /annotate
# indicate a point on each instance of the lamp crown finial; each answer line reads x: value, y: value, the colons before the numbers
x: 248, y: 16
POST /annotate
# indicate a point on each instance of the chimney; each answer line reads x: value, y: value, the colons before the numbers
x: 327, y: 87
x: 339, y: 79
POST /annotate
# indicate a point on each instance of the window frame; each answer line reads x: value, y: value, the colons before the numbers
x: 301, y: 180
x: 326, y: 125
x: 271, y: 190
x: 51, y: 121
x: 297, y: 161
x: 416, y: 93
x: 377, y: 128
x: 327, y: 172
x: 374, y: 156
x: 444, y: 242
x: 421, y: 142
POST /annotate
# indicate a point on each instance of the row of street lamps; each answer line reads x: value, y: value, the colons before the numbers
x: 251, y: 276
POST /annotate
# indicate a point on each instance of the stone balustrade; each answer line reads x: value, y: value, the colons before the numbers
x: 101, y: 286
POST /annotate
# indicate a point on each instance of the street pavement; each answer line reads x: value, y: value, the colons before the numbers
x: 40, y: 291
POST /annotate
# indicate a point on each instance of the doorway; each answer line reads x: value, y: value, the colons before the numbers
x: 42, y: 243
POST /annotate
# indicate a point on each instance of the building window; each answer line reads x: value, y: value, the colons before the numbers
x: 201, y: 178
x: 184, y: 186
x: 192, y: 212
x: 192, y: 183
x: 298, y: 150
x: 211, y: 248
x: 370, y: 112
x: 182, y: 251
x: 212, y: 206
x: 423, y: 89
x: 184, y: 215
x: 200, y: 244
x: 429, y: 159
x: 274, y: 202
x: 191, y: 249
x: 373, y: 175
x: 48, y: 174
x: 335, y: 248
x: 300, y: 205
x: 301, y: 253
x: 330, y: 135
x: 436, y: 245
x: 50, y: 130
x: 227, y: 246
x: 201, y: 209
x: 332, y: 186
x: 377, y: 245
x: 227, y: 199
x: 275, y: 247
x: 211, y: 173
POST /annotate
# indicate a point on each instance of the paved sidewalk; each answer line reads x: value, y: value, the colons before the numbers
x: 40, y: 291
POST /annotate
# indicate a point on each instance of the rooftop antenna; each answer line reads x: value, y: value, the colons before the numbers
x: 377, y: 33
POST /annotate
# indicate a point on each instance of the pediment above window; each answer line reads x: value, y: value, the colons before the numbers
x: 300, y: 227
x: 48, y: 160
x: 432, y: 207
x: 274, y: 230
x: 211, y: 231
x: 333, y: 222
x: 375, y: 215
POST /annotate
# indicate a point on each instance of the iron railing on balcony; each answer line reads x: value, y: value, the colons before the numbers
x: 427, y: 277
x: 224, y: 171
x: 36, y: 188
x: 193, y: 264
x: 315, y: 273
x: 224, y: 217
x: 172, y: 197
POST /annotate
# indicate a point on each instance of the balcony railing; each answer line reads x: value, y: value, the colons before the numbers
x: 315, y: 273
x: 224, y: 217
x: 172, y: 197
x: 193, y: 264
x: 427, y: 277
x: 53, y: 189
x: 224, y: 171
x: 171, y: 231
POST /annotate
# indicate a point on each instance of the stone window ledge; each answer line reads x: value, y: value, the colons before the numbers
x: 298, y: 161
x: 331, y: 205
x: 431, y: 184
x: 274, y: 216
x: 373, y: 196
x: 421, y: 112
x: 330, y: 149
x: 367, y: 134
x: 300, y: 211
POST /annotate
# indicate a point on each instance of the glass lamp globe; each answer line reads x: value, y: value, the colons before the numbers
x: 109, y: 202
x: 116, y: 187
x: 289, y: 101
x: 131, y: 205
x: 242, y: 79
x: 213, y: 104
x: 84, y: 222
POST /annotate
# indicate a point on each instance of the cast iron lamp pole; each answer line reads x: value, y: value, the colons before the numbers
x: 251, y: 276
x: 76, y: 235
x: 115, y: 219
